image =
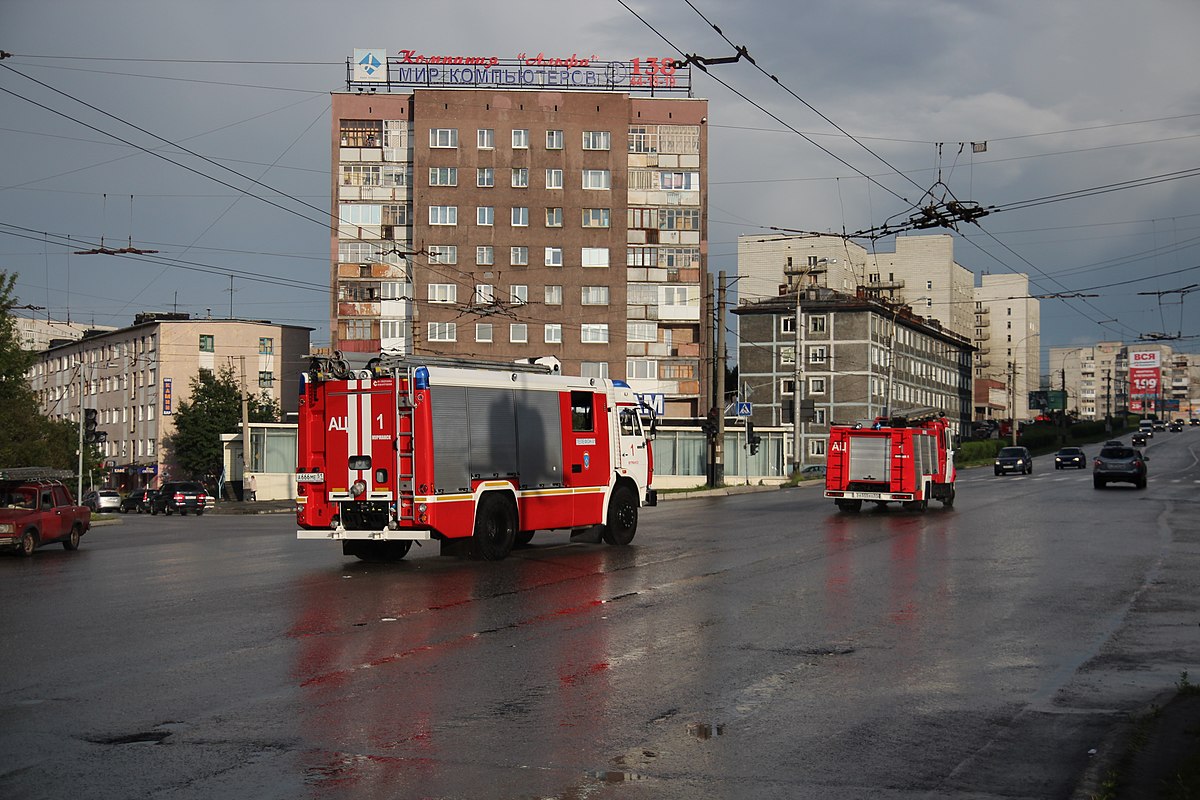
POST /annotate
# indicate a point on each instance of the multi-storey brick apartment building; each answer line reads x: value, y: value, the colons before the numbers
x: 515, y: 209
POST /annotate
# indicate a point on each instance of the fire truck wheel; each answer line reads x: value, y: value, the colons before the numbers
x: 948, y: 500
x: 495, y: 528
x: 852, y: 506
x: 376, y: 552
x: 622, y: 517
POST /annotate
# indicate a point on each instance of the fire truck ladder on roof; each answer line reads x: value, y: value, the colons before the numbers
x: 388, y: 363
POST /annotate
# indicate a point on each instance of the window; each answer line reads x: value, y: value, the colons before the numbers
x: 520, y: 139
x: 443, y: 137
x: 596, y: 140
x: 359, y: 214
x: 266, y: 379
x: 266, y: 345
x: 928, y: 284
x: 518, y: 256
x: 484, y: 255
x: 643, y: 332
x: 642, y: 294
x: 554, y: 179
x: 816, y: 386
x: 485, y: 177
x: 595, y: 218
x: 582, y: 410
x: 554, y: 295
x: 207, y: 343
x: 595, y: 256
x: 483, y: 332
x: 484, y: 293
x: 443, y: 215
x: 520, y: 178
x: 554, y: 217
x: 593, y: 333
x: 554, y: 257
x: 679, y: 219
x: 518, y: 333
x: 554, y: 140
x: 594, y: 296
x: 640, y: 368
x: 673, y: 295
x: 519, y: 294
x: 816, y: 324
x: 816, y: 447
x: 443, y: 254
x: 787, y: 356
x: 520, y: 217
x: 787, y: 386
x: 443, y: 292
x: 787, y: 324
x: 593, y: 369
x: 553, y: 333
x: 443, y: 332
x: 485, y: 215
x: 391, y: 329
x: 485, y: 138
x: 358, y: 329
x: 641, y: 257
x: 598, y: 179
x: 361, y: 132
x: 679, y: 181
x: 818, y: 355
x: 443, y: 176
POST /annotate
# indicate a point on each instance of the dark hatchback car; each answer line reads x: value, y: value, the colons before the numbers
x: 1119, y: 464
x: 181, y: 496
x: 1139, y: 440
x: 1070, y: 457
x: 1014, y: 459
x: 138, y: 500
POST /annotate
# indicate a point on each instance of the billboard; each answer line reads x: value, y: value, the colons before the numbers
x: 374, y: 69
x: 1145, y: 373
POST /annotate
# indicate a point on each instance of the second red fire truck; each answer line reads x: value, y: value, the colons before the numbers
x: 474, y: 455
x: 909, y: 460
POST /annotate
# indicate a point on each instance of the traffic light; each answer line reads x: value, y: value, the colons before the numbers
x: 90, y: 418
x: 752, y: 438
x: 709, y: 425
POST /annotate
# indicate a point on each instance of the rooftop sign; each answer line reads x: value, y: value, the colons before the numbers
x: 373, y: 70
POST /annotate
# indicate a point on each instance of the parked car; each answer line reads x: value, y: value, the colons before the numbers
x: 181, y: 496
x: 138, y: 500
x: 1138, y: 440
x: 1014, y: 459
x: 813, y: 471
x: 39, y: 512
x: 1122, y: 464
x: 1070, y: 457
x: 102, y: 500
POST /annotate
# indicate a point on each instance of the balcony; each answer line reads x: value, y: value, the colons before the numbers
x: 876, y: 283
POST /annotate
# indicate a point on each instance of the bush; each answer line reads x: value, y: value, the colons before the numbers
x: 984, y: 450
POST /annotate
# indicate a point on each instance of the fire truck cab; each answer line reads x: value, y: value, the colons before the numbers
x: 475, y: 455
x: 906, y: 459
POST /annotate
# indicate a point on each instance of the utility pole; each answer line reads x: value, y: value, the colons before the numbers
x: 79, y: 482
x: 719, y: 449
x: 1012, y: 407
x: 245, y: 425
x: 797, y: 389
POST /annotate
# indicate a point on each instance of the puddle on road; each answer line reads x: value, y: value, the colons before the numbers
x: 616, y: 776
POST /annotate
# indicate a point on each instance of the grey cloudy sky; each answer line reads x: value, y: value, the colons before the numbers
x: 1072, y: 95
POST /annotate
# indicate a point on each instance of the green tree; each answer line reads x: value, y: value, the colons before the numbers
x: 27, y: 439
x: 215, y: 408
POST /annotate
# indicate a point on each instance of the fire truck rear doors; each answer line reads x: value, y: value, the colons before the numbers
x: 361, y: 431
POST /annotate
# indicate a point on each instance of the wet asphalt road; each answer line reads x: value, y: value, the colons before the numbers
x: 759, y: 645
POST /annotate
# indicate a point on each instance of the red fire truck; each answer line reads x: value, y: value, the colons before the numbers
x: 473, y: 454
x: 907, y: 459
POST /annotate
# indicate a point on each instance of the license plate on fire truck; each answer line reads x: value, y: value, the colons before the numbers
x: 865, y: 495
x: 310, y: 477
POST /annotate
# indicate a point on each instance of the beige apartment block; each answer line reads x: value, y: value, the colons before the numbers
x: 920, y: 272
x: 136, y: 377
x: 1007, y: 335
